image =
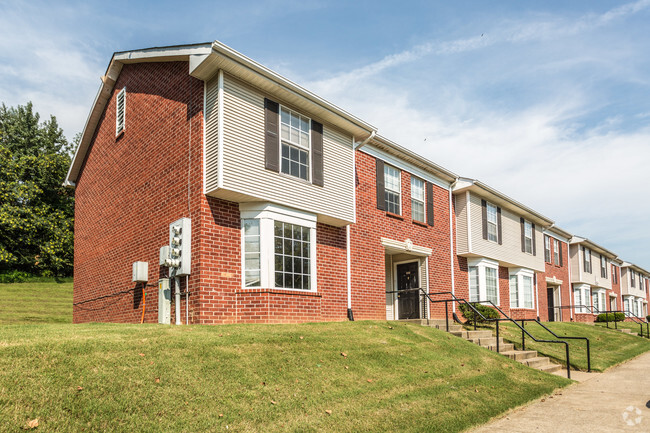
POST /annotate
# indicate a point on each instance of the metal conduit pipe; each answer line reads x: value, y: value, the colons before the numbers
x: 177, y: 310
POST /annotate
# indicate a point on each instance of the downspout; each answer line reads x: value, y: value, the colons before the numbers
x: 451, y: 244
x: 568, y: 258
x: 364, y: 142
x: 349, y: 272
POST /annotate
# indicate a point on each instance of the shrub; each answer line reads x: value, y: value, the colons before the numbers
x: 487, y: 312
x: 14, y: 277
x: 610, y: 317
x: 647, y: 318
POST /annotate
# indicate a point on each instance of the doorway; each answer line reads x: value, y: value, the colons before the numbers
x: 408, y: 300
x: 553, y: 301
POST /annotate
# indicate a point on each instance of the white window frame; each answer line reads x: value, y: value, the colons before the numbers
x: 521, y: 275
x: 603, y: 266
x: 268, y: 213
x: 556, y: 252
x: 583, y: 294
x: 632, y: 282
x: 528, y: 237
x: 420, y: 200
x: 547, y: 249
x: 492, y: 226
x: 246, y: 237
x: 120, y: 121
x: 395, y: 172
x: 598, y: 300
x: 586, y: 259
x: 290, y: 143
x: 482, y: 264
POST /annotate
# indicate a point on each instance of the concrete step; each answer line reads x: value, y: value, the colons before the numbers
x: 536, y: 362
x: 625, y: 330
x: 503, y: 347
x: 443, y: 327
x: 519, y: 355
x: 551, y: 368
x: 470, y: 335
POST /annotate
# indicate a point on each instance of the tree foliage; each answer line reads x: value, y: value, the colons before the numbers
x: 36, y: 211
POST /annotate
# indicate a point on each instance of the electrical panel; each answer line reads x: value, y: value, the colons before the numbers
x: 164, y: 302
x: 140, y: 272
x: 164, y: 256
x: 180, y: 251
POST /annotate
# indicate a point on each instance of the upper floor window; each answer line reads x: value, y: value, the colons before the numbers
x: 392, y: 194
x: 294, y: 135
x: 528, y: 237
x: 614, y: 275
x: 547, y: 249
x: 120, y: 111
x: 603, y: 266
x: 492, y: 223
x: 586, y: 257
x: 417, y: 199
x: 557, y: 252
x: 632, y: 282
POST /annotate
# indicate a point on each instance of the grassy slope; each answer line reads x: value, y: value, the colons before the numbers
x: 632, y: 326
x: 161, y: 378
x: 608, y: 347
x: 38, y: 302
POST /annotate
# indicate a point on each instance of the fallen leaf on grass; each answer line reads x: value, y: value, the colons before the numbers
x: 301, y: 337
x: 343, y: 354
x: 157, y: 380
x: 274, y: 402
x: 220, y: 415
x: 327, y: 411
x: 346, y: 367
x: 32, y: 424
x: 141, y: 354
x: 475, y: 390
x: 79, y: 388
x: 369, y: 380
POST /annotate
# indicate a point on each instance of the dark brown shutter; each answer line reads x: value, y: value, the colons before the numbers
x: 590, y: 263
x: 271, y: 139
x: 560, y: 245
x: 534, y: 243
x: 484, y: 217
x: 523, y: 234
x: 429, y: 190
x: 317, y: 153
x: 381, y: 193
x: 499, y: 237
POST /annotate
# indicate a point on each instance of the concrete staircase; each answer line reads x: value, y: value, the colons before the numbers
x: 486, y: 339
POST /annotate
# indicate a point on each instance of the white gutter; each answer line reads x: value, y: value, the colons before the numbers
x: 451, y: 244
x: 364, y: 142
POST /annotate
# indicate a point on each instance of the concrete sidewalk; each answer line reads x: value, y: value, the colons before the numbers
x: 615, y: 401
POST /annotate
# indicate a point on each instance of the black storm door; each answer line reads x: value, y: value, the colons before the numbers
x: 408, y: 300
x: 551, y: 303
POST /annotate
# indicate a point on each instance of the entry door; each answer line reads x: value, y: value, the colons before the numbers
x: 408, y: 304
x: 551, y: 303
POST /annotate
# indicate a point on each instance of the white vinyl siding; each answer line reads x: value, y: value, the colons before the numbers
x: 244, y: 175
x: 578, y: 274
x: 417, y: 199
x: 120, y: 111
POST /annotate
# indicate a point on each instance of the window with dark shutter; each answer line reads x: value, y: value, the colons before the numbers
x: 271, y: 139
x: 499, y: 232
x: 560, y: 253
x: 534, y: 238
x: 429, y: 203
x: 523, y: 234
x: 317, y: 153
x: 381, y: 188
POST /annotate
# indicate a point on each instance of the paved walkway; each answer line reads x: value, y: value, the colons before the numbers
x: 615, y: 401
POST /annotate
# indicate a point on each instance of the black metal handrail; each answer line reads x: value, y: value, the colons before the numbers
x: 564, y: 336
x: 505, y: 318
x: 524, y: 332
x: 627, y: 313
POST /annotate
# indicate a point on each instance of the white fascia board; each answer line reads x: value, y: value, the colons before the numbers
x: 482, y: 261
x: 405, y: 247
x: 552, y: 233
x: 403, y: 165
x: 158, y: 54
x: 255, y: 210
x: 593, y: 247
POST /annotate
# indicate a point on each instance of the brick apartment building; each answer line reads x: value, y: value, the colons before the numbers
x: 299, y: 211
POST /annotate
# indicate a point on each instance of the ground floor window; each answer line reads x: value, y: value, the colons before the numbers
x: 598, y: 300
x: 278, y: 247
x: 522, y: 288
x: 484, y: 281
x: 582, y: 303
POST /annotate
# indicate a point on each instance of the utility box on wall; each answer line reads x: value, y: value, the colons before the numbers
x: 180, y: 248
x: 164, y: 302
x: 140, y: 273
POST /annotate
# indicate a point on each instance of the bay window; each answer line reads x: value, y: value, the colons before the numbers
x: 522, y: 288
x: 484, y: 280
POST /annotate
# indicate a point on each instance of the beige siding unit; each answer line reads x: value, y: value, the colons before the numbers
x: 626, y: 286
x: 508, y: 253
x: 460, y: 202
x: 593, y: 278
x: 245, y: 177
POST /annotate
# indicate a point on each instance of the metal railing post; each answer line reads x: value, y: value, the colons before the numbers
x: 447, y: 314
x: 568, y: 366
x: 588, y: 358
x: 523, y: 336
x: 498, y: 349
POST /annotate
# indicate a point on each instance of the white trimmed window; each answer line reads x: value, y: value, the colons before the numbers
x: 598, y: 300
x: 278, y: 247
x: 295, y: 139
x: 586, y: 255
x: 581, y: 298
x: 492, y: 229
x: 521, y: 288
x: 120, y: 111
x: 484, y: 280
x: 556, y: 251
x: 603, y: 266
x: 392, y: 192
x: 417, y: 199
x: 632, y: 281
x: 547, y: 249
x: 528, y: 237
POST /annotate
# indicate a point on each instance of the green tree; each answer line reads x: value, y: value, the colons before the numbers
x: 36, y: 211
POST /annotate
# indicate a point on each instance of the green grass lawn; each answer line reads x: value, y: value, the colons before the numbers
x: 252, y: 378
x: 608, y: 347
x: 36, y: 302
x: 632, y: 326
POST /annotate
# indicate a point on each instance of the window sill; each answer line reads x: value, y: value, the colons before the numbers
x: 419, y: 223
x: 273, y: 291
x: 394, y: 215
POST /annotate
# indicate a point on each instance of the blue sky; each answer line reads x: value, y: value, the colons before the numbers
x: 545, y: 100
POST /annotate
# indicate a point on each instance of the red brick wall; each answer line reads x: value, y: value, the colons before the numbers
x: 616, y: 288
x: 560, y: 273
x: 131, y: 187
x: 367, y: 252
